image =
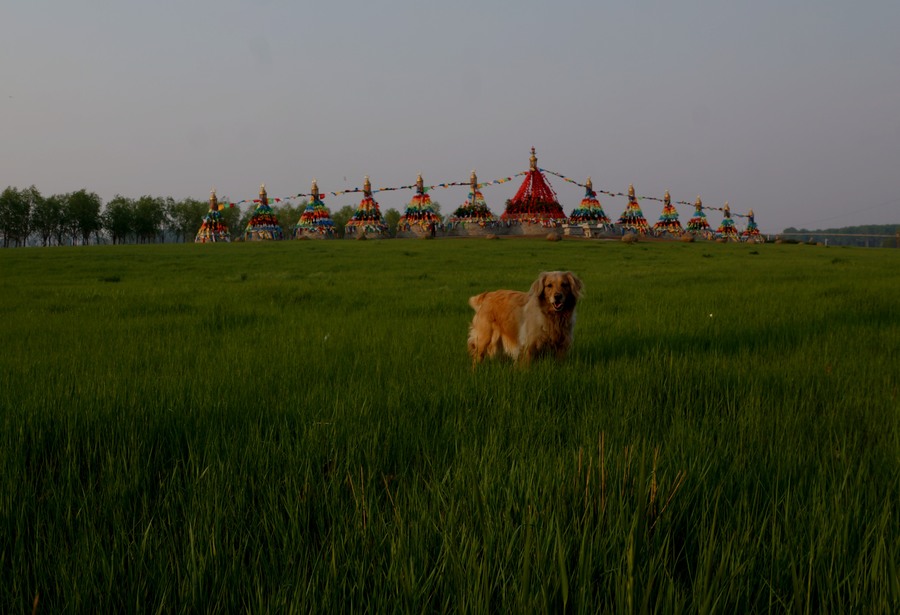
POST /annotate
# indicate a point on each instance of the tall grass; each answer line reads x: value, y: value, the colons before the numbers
x: 296, y: 427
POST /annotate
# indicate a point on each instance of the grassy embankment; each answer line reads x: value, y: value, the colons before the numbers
x: 295, y: 426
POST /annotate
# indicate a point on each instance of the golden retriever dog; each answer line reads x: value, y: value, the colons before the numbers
x: 526, y: 325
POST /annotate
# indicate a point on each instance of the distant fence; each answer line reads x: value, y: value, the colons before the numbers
x: 858, y: 236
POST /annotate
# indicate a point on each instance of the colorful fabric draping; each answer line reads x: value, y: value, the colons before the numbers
x: 535, y: 198
x: 698, y: 224
x: 420, y: 212
x: 535, y: 201
x: 263, y: 224
x: 367, y: 218
x: 751, y: 233
x: 727, y: 229
x: 668, y: 222
x: 315, y: 219
x: 632, y: 219
x: 212, y: 229
x: 589, y: 211
x: 475, y: 210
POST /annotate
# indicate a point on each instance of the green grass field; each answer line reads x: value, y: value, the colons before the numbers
x: 295, y: 427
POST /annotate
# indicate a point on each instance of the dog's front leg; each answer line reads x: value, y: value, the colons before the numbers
x: 526, y: 355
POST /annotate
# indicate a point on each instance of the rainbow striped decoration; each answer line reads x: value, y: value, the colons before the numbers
x: 213, y: 228
x: 632, y: 219
x: 263, y: 224
x: 698, y: 224
x: 727, y: 229
x: 419, y: 211
x: 751, y: 233
x: 367, y: 219
x: 315, y: 220
x: 668, y: 221
x: 589, y: 211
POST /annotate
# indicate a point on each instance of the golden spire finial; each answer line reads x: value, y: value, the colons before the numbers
x: 315, y: 190
x: 213, y: 201
x: 667, y: 198
x: 367, y: 187
x: 750, y: 214
x: 263, y: 197
x: 533, y: 159
x: 727, y: 210
x: 473, y: 179
x: 420, y: 184
x: 698, y: 203
x: 589, y: 184
x: 630, y: 192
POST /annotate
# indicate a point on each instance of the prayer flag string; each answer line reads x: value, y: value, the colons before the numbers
x: 501, y: 180
x: 483, y: 184
x: 640, y: 198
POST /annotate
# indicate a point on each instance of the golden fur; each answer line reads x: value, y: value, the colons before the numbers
x: 526, y: 325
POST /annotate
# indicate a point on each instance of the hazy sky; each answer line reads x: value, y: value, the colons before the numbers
x: 787, y: 107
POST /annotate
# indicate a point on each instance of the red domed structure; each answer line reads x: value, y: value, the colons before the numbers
x: 534, y: 209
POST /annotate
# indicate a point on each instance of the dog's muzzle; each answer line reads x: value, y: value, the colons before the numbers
x: 559, y: 303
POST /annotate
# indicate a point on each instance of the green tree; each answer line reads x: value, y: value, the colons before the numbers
x: 186, y: 216
x: 288, y: 215
x: 7, y: 198
x: 47, y: 217
x: 232, y: 218
x: 34, y: 200
x: 392, y: 219
x: 243, y: 220
x: 341, y: 217
x: 61, y: 229
x: 118, y: 219
x: 149, y: 218
x: 83, y: 215
x: 15, y: 214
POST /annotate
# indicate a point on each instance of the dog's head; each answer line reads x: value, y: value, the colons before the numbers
x: 557, y: 291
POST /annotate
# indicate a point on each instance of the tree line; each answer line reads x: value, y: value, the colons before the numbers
x: 863, y: 236
x: 81, y: 218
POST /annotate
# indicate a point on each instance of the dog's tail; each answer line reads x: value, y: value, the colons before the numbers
x: 475, y: 301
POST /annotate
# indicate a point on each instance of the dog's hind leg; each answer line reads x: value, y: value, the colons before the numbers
x: 497, y: 345
x: 476, y: 350
x: 510, y: 346
x: 480, y: 344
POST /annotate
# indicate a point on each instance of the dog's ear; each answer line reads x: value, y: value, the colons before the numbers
x: 537, y: 289
x: 576, y: 284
